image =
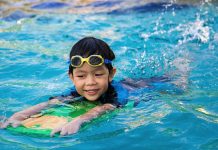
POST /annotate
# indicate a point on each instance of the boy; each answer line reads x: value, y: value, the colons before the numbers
x: 91, y: 72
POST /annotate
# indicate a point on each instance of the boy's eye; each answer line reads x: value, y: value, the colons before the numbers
x: 98, y: 74
x: 80, y: 76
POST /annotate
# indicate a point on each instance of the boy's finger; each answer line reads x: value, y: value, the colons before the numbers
x: 54, y: 131
x: 73, y: 131
x: 63, y: 132
x: 1, y: 123
x: 15, y: 124
x: 5, y: 124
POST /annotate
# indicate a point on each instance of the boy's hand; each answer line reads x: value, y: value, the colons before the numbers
x: 15, y: 120
x: 69, y: 128
x: 73, y: 126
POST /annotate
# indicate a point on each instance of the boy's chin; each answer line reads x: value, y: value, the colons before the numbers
x: 92, y: 98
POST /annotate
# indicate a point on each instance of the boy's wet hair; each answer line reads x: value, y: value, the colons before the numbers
x: 92, y: 46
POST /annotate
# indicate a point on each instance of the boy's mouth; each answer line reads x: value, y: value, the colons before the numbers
x: 91, y: 91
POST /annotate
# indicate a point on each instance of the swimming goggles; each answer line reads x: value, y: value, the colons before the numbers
x: 92, y: 60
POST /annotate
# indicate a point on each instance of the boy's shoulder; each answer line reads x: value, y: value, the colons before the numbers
x: 122, y: 93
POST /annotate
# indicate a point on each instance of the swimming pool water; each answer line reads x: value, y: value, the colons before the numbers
x: 149, y: 39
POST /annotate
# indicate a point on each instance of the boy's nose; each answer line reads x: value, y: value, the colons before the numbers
x: 90, y: 80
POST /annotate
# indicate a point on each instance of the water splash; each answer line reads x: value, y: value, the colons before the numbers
x: 194, y: 31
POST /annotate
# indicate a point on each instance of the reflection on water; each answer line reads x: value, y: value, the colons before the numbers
x: 177, y: 39
x: 19, y: 8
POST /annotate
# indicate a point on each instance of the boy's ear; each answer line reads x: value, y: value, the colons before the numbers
x: 71, y: 77
x: 112, y: 73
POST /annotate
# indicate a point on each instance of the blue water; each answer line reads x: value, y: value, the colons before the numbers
x: 149, y: 39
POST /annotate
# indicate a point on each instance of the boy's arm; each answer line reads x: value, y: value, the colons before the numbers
x: 73, y: 126
x: 95, y: 112
x: 18, y: 117
x: 37, y: 108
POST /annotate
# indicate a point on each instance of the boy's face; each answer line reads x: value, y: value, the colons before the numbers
x: 91, y: 82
